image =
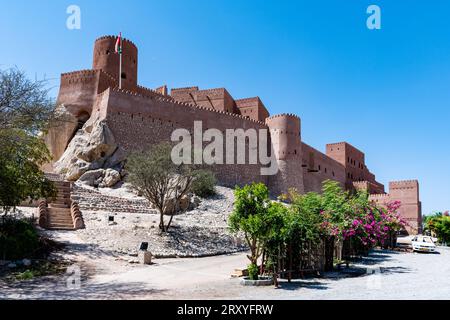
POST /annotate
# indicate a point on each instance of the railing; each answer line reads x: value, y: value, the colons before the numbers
x: 76, y: 216
x: 43, y: 214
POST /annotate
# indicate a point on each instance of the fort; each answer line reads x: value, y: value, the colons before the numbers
x: 135, y: 118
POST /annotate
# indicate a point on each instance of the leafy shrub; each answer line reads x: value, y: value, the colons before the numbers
x: 18, y: 239
x: 440, y: 225
x: 253, y: 271
x: 26, y: 275
x: 204, y: 184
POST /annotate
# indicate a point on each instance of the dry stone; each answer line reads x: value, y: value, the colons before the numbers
x: 91, y: 156
x: 112, y: 177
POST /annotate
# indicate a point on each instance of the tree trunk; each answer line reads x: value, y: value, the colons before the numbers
x: 329, y: 249
x: 162, y: 227
x: 262, y: 270
x: 170, y: 223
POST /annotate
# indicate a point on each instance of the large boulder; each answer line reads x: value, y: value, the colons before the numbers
x: 90, y: 154
x: 93, y: 178
x: 112, y: 177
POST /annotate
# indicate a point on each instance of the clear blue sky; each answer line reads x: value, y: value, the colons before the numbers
x: 384, y: 91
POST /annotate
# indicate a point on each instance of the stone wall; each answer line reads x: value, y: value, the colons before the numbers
x: 139, y: 122
x: 317, y: 168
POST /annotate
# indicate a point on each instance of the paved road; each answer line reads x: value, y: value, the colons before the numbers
x: 396, y: 276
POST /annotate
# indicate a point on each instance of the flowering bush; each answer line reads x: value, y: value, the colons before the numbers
x: 375, y: 225
x: 352, y: 217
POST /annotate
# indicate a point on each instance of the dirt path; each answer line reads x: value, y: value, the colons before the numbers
x: 107, y: 276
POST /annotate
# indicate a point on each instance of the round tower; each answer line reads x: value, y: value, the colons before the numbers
x: 285, y: 136
x: 107, y: 60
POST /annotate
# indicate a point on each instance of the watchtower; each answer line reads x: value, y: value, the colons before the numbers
x: 107, y: 60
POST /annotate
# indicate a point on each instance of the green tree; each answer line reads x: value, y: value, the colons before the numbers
x: 258, y: 219
x: 439, y: 224
x: 160, y: 180
x: 24, y: 104
x: 25, y: 112
x: 336, y: 206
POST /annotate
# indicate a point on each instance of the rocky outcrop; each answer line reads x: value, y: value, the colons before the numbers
x: 93, y: 157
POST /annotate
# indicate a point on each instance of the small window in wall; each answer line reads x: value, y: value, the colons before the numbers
x: 295, y: 151
x: 108, y: 52
x: 326, y: 170
x: 320, y: 168
x: 333, y: 173
x: 124, y: 75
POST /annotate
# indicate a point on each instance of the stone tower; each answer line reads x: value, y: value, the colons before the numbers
x: 285, y: 137
x: 107, y: 60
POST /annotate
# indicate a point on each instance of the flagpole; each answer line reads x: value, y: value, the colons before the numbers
x: 120, y: 70
x: 120, y: 61
x: 119, y: 50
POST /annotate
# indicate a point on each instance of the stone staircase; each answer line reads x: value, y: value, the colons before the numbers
x: 60, y: 213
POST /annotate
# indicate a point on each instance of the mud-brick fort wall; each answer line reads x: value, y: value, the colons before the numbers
x: 354, y: 162
x: 318, y: 167
x: 139, y: 122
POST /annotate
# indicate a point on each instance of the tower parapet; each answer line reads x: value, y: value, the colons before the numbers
x: 107, y: 60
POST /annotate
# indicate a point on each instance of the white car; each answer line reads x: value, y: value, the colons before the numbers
x: 423, y: 244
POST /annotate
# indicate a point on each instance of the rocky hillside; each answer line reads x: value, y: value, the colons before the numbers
x: 199, y: 232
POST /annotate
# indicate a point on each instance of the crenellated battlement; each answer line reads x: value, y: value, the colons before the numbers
x: 79, y: 73
x: 162, y: 98
x: 380, y: 195
x: 283, y: 115
x: 150, y: 92
x: 114, y: 38
x: 404, y: 183
x: 185, y: 89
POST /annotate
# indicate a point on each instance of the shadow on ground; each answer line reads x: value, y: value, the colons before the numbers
x: 49, y: 290
x: 301, y: 284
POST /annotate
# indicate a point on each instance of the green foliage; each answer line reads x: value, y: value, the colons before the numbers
x: 440, y: 225
x: 311, y: 223
x: 253, y: 271
x: 38, y: 269
x: 26, y: 275
x: 258, y: 218
x: 204, y: 184
x: 159, y: 179
x: 18, y: 239
x: 25, y: 111
x: 24, y: 104
x: 305, y: 216
x: 21, y: 156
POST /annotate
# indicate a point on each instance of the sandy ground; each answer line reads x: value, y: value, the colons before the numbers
x: 107, y: 276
